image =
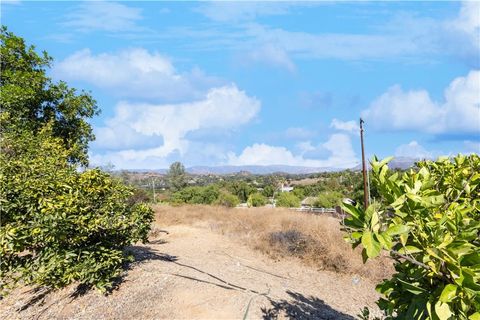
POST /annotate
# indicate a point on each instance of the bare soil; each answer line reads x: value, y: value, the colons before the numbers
x: 195, y: 272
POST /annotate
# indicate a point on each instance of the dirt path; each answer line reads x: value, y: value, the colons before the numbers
x: 198, y: 274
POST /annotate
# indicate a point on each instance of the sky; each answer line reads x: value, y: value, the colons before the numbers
x: 265, y: 83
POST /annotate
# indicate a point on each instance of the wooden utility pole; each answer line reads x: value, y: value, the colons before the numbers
x: 364, y: 168
x: 153, y: 189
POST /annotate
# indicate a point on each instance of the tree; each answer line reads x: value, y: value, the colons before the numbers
x: 428, y: 219
x: 287, y: 199
x: 269, y: 190
x: 256, y: 200
x: 227, y: 200
x: 176, y: 176
x: 328, y: 199
x: 60, y: 225
x: 241, y: 189
x: 33, y: 100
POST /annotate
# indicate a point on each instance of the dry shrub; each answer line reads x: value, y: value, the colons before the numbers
x: 278, y: 232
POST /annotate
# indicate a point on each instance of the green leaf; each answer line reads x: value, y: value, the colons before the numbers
x: 443, y: 311
x: 448, y: 293
x: 385, y: 240
x: 397, y: 229
x: 371, y: 245
x: 409, y: 250
x: 475, y: 316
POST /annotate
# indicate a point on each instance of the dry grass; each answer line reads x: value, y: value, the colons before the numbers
x: 316, y: 240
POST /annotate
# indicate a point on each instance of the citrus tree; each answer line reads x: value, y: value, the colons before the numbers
x: 428, y: 220
x: 32, y: 99
x: 59, y: 225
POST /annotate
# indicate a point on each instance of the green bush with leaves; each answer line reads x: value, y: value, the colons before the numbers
x: 196, y: 195
x: 227, y: 200
x: 328, y: 199
x: 256, y: 200
x: 60, y: 225
x: 288, y: 200
x: 428, y: 219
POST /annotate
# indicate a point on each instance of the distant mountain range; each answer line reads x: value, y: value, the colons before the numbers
x: 257, y: 169
x: 396, y: 163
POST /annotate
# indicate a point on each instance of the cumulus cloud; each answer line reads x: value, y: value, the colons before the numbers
x: 134, y: 73
x: 414, y: 110
x: 468, y: 21
x: 413, y: 150
x: 224, y: 107
x: 339, y: 147
x: 104, y: 16
x: 348, y: 126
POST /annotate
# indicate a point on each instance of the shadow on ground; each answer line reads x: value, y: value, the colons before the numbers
x: 302, y: 307
x: 142, y: 254
x: 139, y: 253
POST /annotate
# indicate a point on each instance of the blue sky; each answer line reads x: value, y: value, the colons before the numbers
x: 259, y: 83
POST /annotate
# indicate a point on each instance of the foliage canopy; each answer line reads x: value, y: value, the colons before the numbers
x: 429, y: 221
x: 60, y: 225
x: 33, y: 100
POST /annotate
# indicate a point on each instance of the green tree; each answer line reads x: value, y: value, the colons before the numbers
x: 268, y: 190
x: 33, y: 100
x: 241, y: 189
x: 287, y: 199
x: 227, y: 200
x: 328, y: 199
x: 60, y: 225
x: 176, y: 176
x: 256, y: 200
x: 196, y: 195
x: 428, y: 219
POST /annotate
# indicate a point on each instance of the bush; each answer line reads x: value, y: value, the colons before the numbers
x: 289, y: 200
x: 429, y: 221
x: 256, y: 200
x: 60, y: 225
x: 328, y: 199
x: 227, y: 200
x: 196, y: 195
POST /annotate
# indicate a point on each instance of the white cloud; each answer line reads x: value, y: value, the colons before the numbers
x: 298, y: 133
x: 339, y: 147
x: 134, y: 73
x: 230, y: 11
x: 224, y: 107
x: 104, y: 16
x: 348, y: 126
x: 271, y: 55
x: 414, y: 110
x: 413, y: 150
x: 405, y: 36
x: 468, y: 21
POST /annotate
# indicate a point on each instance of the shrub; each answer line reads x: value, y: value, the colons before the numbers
x: 289, y: 200
x: 196, y: 195
x: 60, y: 225
x: 227, y: 200
x: 256, y: 200
x: 328, y: 199
x: 429, y: 221
x: 291, y: 241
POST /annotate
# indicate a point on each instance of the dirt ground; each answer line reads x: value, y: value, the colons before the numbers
x: 195, y: 273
